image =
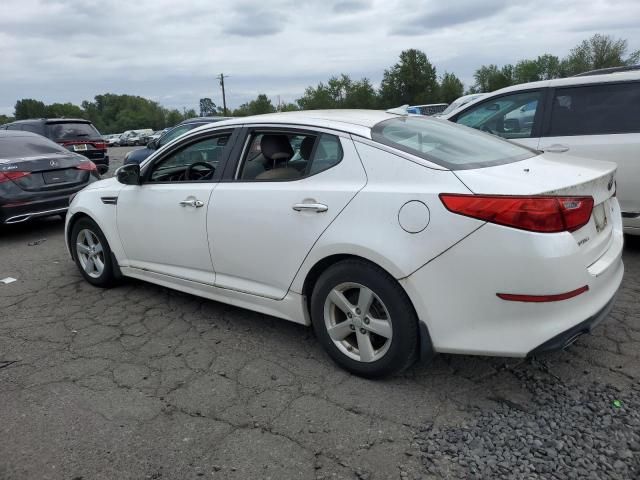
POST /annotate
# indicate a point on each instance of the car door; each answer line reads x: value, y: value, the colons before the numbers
x: 600, y: 121
x: 162, y: 223
x: 287, y: 188
x: 515, y: 116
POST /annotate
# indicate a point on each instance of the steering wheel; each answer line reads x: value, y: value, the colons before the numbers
x: 206, y: 174
x: 485, y: 128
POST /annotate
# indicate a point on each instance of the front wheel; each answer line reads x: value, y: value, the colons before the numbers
x: 92, y: 253
x: 364, y: 319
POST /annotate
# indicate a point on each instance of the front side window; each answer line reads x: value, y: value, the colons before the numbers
x: 447, y: 144
x: 509, y: 116
x: 596, y: 109
x: 288, y: 156
x: 196, y: 162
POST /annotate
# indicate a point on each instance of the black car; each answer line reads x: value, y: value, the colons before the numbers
x: 38, y: 176
x: 74, y: 134
x: 138, y: 156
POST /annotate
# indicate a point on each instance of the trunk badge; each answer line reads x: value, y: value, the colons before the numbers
x: 54, y: 163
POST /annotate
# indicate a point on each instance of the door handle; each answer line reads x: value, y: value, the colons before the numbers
x: 310, y: 207
x: 192, y: 203
x: 556, y: 148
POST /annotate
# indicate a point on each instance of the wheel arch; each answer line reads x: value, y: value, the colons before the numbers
x: 426, y: 350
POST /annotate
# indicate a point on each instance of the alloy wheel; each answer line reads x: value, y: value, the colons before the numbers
x: 358, y: 322
x: 90, y: 253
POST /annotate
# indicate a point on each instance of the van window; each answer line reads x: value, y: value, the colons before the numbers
x: 595, y: 109
x: 509, y: 116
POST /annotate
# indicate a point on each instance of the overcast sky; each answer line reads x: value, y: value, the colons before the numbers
x: 171, y: 51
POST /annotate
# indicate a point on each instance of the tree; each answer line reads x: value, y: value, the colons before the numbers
x: 207, y: 108
x: 5, y: 119
x: 340, y: 92
x: 450, y: 88
x: 288, y: 107
x: 173, y: 117
x: 489, y: 77
x: 260, y: 105
x: 599, y: 51
x: 29, y: 108
x: 548, y: 66
x: 412, y: 80
x: 64, y: 110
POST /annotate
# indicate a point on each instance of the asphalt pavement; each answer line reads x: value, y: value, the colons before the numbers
x: 143, y: 382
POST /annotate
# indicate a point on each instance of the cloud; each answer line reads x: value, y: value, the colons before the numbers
x: 72, y: 50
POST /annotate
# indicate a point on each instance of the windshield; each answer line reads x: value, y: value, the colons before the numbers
x: 72, y: 131
x: 447, y: 144
x: 459, y: 102
x: 176, y: 132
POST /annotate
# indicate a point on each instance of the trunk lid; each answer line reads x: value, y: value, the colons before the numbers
x: 557, y: 175
x: 48, y: 172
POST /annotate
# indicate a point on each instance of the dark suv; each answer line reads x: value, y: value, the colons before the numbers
x: 77, y: 135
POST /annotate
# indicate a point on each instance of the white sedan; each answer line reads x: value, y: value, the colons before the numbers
x: 394, y: 236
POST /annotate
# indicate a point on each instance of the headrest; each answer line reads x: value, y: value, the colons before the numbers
x: 276, y: 147
x: 306, y: 147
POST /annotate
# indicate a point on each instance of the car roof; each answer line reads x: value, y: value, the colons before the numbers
x: 358, y: 122
x: 570, y: 81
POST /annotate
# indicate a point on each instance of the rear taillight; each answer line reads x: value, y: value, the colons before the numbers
x: 7, y: 176
x: 100, y: 146
x: 544, y: 214
x: 88, y: 166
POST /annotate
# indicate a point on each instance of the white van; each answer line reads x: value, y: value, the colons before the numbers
x: 593, y: 116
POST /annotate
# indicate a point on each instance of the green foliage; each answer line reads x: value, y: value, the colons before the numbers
x: 30, y: 108
x: 6, y: 119
x: 340, y: 92
x: 412, y: 80
x: 450, y: 88
x: 288, y: 107
x: 207, y: 108
x: 64, y: 110
x: 599, y: 51
x: 260, y: 105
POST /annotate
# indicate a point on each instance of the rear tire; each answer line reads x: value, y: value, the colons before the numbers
x: 92, y: 253
x: 364, y: 319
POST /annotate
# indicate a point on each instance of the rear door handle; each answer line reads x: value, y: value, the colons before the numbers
x: 310, y: 207
x: 192, y: 203
x: 556, y: 148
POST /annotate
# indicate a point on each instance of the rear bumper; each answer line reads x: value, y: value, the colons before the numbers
x: 28, y: 206
x: 631, y: 223
x: 566, y: 338
x: 29, y: 210
x: 455, y: 294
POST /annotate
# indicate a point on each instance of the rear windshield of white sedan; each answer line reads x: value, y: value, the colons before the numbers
x: 447, y: 144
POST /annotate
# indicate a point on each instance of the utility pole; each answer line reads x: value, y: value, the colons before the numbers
x: 224, y: 98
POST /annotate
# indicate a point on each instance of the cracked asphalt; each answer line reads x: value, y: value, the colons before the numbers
x: 143, y: 382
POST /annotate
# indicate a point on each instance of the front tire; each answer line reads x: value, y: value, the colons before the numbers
x: 364, y: 319
x: 92, y: 253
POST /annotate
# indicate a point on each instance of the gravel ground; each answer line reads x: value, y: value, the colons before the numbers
x: 580, y: 431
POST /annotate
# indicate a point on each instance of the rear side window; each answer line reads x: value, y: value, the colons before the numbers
x: 596, y: 109
x: 72, y: 131
x: 28, y: 146
x: 447, y: 144
x: 281, y: 156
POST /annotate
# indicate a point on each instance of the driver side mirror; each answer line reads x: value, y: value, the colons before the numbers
x: 129, y: 174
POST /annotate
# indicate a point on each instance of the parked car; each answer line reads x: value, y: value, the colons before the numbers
x: 459, y: 102
x: 430, y: 109
x: 76, y: 135
x: 113, y: 140
x: 137, y: 156
x: 38, y: 176
x: 595, y: 116
x: 394, y: 236
x: 134, y: 137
